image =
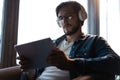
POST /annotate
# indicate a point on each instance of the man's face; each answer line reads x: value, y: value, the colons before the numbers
x: 68, y: 20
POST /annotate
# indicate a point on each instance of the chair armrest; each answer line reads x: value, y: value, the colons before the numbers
x: 10, y: 73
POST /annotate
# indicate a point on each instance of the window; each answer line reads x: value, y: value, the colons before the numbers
x: 1, y: 11
x: 110, y: 22
x: 37, y: 20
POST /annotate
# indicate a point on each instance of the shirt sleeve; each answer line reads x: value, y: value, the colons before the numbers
x: 105, y: 60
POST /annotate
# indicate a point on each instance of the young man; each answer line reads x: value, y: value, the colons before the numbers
x: 77, y: 56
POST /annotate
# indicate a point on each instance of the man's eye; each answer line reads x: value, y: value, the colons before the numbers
x: 69, y: 17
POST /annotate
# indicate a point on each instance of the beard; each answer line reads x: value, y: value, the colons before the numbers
x: 72, y: 31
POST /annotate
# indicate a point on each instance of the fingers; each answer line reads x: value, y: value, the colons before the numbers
x: 55, y: 56
x: 21, y: 57
x: 18, y: 58
x: 58, y: 58
x: 87, y: 77
x: 56, y: 52
x: 24, y: 62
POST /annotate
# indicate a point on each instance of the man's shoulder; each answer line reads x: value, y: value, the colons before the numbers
x: 94, y: 36
x: 97, y: 38
x: 91, y: 35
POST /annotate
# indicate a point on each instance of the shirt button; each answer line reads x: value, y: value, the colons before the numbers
x: 85, y: 53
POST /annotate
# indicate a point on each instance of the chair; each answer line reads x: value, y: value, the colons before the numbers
x: 10, y: 73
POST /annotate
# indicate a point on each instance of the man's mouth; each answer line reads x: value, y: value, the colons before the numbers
x: 66, y: 25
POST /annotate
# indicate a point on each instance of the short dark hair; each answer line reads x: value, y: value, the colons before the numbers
x: 76, y: 6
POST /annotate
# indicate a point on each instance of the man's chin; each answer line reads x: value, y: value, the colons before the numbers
x: 69, y: 33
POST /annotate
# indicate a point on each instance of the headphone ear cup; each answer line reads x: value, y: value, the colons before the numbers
x: 80, y: 16
x: 58, y: 23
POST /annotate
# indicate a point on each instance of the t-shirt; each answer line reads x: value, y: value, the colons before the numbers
x: 54, y: 73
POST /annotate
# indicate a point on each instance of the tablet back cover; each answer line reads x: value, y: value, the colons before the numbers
x: 36, y: 52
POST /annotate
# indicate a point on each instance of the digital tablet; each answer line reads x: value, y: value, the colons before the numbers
x: 36, y: 51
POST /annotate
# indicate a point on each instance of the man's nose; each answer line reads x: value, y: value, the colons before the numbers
x: 64, y: 20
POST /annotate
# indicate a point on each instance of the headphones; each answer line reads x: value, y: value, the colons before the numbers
x: 82, y: 15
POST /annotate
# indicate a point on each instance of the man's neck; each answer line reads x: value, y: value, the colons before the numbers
x: 74, y: 37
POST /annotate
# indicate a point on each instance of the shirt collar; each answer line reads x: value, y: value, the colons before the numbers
x: 82, y: 37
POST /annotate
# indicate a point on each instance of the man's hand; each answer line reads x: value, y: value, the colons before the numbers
x: 25, y: 66
x: 24, y: 62
x: 86, y: 77
x: 59, y: 59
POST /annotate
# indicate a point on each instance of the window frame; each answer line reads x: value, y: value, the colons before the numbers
x: 9, y: 32
x: 93, y: 17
